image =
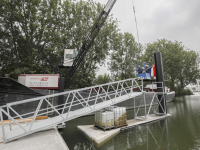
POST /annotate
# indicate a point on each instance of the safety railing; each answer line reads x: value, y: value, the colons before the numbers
x: 86, y: 100
x: 154, y: 99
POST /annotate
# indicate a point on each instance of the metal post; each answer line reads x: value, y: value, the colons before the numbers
x: 100, y: 91
x: 2, y: 124
x: 145, y: 107
x: 35, y: 114
x: 96, y: 99
x: 9, y: 118
x: 18, y: 115
x: 70, y: 107
x: 160, y: 80
x: 134, y: 109
x: 147, y: 137
x: 142, y: 85
x: 89, y: 97
x: 61, y: 98
x: 65, y: 103
x: 61, y: 89
x: 121, y: 87
x: 2, y: 103
x: 132, y: 86
x: 116, y: 91
x: 151, y: 104
x: 54, y: 108
x: 15, y: 121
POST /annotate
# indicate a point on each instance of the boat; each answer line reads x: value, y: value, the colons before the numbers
x: 149, y: 90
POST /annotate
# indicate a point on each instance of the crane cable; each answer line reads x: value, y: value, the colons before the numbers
x: 136, y: 27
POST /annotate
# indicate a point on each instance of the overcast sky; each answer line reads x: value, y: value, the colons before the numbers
x: 157, y: 19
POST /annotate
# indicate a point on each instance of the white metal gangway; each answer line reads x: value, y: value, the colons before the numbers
x: 77, y: 103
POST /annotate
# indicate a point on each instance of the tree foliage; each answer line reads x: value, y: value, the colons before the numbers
x: 101, y: 79
x: 23, y: 25
x: 64, y: 24
x: 179, y: 63
x: 97, y: 54
x: 60, y: 25
x: 125, y: 54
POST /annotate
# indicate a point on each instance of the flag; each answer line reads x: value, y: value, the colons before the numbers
x: 153, y: 71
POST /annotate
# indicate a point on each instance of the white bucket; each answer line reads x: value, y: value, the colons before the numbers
x: 120, y: 116
x: 106, y: 119
x: 97, y: 116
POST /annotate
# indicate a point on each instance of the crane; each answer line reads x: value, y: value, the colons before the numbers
x: 89, y: 40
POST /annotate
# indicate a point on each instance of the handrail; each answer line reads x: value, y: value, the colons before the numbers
x: 96, y: 98
x: 76, y: 103
x: 63, y: 93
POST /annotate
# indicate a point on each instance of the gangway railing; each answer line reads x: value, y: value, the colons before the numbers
x: 154, y: 99
x: 77, y: 103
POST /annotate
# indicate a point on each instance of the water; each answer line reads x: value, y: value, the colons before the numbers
x: 180, y: 131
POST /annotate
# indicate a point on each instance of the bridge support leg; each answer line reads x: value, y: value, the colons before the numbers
x: 61, y: 99
x: 3, y: 102
x: 160, y: 79
x: 134, y: 109
x: 2, y: 97
x: 61, y: 89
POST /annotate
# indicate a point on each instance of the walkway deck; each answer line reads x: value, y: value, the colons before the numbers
x: 47, y: 139
x: 43, y: 124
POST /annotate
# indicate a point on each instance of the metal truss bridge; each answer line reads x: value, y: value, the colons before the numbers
x: 78, y: 103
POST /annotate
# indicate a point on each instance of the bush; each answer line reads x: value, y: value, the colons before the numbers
x: 182, y: 92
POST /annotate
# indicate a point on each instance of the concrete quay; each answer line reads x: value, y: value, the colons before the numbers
x: 49, y: 139
x: 99, y: 137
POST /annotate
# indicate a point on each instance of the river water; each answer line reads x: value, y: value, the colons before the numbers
x: 180, y: 131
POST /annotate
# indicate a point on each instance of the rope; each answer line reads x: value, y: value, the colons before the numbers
x: 136, y: 26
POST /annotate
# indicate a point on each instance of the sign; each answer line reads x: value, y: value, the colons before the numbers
x: 44, y: 81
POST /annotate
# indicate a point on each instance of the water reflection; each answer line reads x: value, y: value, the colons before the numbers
x: 149, y: 136
x: 180, y: 131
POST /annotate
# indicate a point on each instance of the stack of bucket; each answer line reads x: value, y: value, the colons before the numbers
x: 110, y: 117
x: 104, y: 119
x: 119, y: 114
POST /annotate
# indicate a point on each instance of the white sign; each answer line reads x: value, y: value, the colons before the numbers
x: 39, y: 81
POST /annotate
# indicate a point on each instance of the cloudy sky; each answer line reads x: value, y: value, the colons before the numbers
x: 157, y: 19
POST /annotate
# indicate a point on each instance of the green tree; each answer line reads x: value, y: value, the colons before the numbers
x: 23, y: 25
x: 179, y: 63
x: 60, y: 25
x: 101, y: 79
x: 83, y: 15
x: 125, y: 54
x: 189, y: 71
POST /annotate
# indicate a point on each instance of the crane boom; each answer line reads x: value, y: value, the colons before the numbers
x: 89, y: 40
